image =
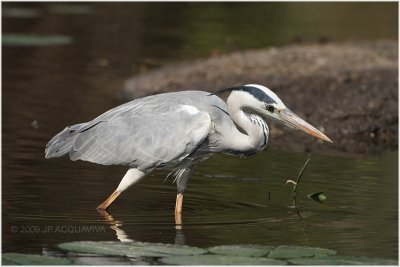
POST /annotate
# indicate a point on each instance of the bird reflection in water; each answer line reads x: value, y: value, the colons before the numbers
x: 116, y: 226
x: 122, y: 236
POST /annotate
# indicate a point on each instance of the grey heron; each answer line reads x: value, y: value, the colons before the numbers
x: 174, y: 131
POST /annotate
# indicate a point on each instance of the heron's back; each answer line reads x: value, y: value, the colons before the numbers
x: 142, y: 126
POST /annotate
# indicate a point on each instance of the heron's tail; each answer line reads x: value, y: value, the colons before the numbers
x: 62, y: 143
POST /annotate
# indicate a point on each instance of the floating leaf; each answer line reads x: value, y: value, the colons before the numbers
x: 320, y: 261
x: 17, y: 12
x: 241, y: 250
x: 90, y: 259
x: 174, y: 249
x: 130, y: 249
x: 318, y: 196
x: 35, y: 40
x: 290, y: 252
x: 365, y: 260
x: 70, y: 9
x: 342, y: 260
x: 219, y: 260
x: 31, y: 259
x: 109, y: 248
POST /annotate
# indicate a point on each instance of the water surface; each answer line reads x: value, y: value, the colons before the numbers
x: 229, y: 200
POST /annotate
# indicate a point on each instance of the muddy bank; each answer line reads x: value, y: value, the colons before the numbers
x: 349, y: 90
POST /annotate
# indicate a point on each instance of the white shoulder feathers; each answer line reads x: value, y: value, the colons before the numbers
x: 190, y: 109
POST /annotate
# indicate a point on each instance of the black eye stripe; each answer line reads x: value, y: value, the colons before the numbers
x: 254, y: 91
x: 258, y: 94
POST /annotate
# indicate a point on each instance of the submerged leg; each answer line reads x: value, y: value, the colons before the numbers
x: 132, y: 176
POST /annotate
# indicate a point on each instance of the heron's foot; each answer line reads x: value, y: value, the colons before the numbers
x: 108, y: 201
x: 101, y: 207
x: 102, y: 210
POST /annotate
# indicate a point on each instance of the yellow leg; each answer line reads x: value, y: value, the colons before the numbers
x: 178, y: 210
x: 109, y: 200
x: 132, y: 176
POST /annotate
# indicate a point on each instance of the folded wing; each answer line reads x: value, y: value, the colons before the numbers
x: 143, y: 141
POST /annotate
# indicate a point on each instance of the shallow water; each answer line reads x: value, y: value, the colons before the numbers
x: 229, y: 200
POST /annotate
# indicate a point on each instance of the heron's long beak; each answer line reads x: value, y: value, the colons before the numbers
x: 292, y: 120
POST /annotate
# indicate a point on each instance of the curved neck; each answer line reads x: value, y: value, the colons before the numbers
x: 252, y: 134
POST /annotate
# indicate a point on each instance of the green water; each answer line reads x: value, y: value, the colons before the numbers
x: 229, y: 200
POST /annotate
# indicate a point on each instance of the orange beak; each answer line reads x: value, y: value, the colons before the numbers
x: 294, y: 121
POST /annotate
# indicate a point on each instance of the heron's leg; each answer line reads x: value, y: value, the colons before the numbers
x: 106, y: 203
x: 178, y: 209
x: 132, y: 176
x: 181, y: 186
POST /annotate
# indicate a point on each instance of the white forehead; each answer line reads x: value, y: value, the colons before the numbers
x: 269, y: 93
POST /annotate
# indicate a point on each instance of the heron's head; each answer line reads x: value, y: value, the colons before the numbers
x: 260, y: 100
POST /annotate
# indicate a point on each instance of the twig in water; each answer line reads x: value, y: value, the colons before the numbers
x: 294, y: 194
x: 296, y: 184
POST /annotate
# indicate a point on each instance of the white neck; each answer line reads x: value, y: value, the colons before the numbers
x: 255, y: 135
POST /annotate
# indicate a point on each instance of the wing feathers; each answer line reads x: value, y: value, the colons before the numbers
x: 147, y: 140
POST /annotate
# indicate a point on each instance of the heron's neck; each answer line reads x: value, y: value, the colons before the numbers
x: 252, y: 134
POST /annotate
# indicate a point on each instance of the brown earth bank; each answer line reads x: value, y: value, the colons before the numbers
x: 348, y: 90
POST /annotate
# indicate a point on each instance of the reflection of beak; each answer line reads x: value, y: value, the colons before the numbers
x: 292, y: 120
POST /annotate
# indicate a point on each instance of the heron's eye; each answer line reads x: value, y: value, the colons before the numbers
x: 270, y: 108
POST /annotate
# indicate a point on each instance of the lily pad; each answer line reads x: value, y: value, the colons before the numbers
x: 219, y: 260
x: 109, y: 248
x: 320, y: 261
x: 17, y: 12
x: 342, y: 260
x: 292, y: 252
x: 241, y: 250
x: 99, y: 260
x: 318, y: 196
x: 174, y: 249
x: 31, y: 259
x: 365, y: 260
x: 70, y: 9
x: 131, y: 249
x: 35, y: 40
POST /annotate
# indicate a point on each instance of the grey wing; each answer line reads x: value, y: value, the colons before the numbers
x: 143, y: 141
x: 161, y: 103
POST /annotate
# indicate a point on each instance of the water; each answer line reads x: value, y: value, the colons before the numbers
x: 229, y: 200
